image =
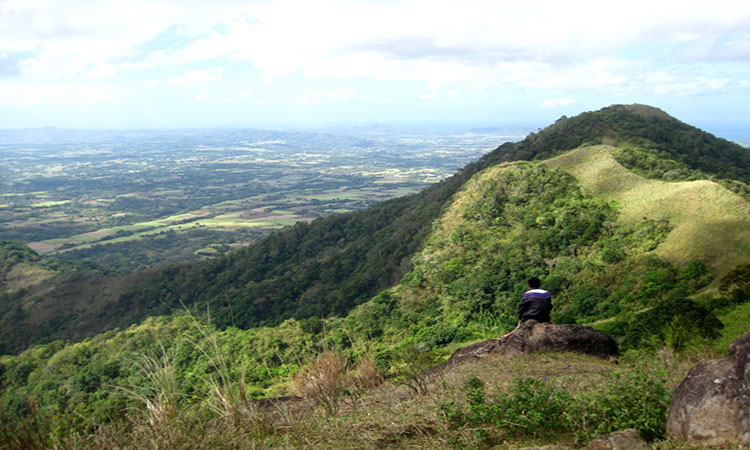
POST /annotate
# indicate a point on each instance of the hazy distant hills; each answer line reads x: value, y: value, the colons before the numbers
x: 333, y: 264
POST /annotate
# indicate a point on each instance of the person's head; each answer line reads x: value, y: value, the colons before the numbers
x: 535, y: 283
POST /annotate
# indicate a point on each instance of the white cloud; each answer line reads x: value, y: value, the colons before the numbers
x: 197, y: 76
x: 323, y: 97
x: 696, y: 86
x: 102, y: 71
x: 557, y: 102
x: 18, y: 93
x: 483, y: 44
x: 557, y: 49
x: 382, y: 40
x: 202, y: 97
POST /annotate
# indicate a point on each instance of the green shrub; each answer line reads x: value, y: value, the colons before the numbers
x: 675, y: 320
x: 531, y: 407
x: 536, y: 408
x: 437, y: 335
x: 410, y: 365
x: 636, y: 399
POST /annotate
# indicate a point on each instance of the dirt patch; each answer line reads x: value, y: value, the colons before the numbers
x: 43, y: 247
x: 98, y: 234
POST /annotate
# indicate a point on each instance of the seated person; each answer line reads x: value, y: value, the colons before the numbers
x: 536, y: 303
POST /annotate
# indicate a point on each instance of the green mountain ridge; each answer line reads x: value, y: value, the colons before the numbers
x: 408, y: 280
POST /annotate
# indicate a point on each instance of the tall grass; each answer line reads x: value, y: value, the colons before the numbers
x: 168, y: 420
x: 390, y: 414
x: 160, y: 396
x: 226, y: 397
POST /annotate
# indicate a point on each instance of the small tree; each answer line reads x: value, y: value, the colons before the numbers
x: 411, y: 365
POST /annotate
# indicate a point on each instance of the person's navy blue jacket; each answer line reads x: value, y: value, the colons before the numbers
x: 536, y: 304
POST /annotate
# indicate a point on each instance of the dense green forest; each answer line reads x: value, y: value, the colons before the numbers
x: 331, y: 265
x: 399, y: 284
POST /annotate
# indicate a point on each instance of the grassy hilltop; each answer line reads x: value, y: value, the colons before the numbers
x: 636, y: 222
x: 709, y: 223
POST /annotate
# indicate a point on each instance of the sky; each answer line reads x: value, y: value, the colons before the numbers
x: 292, y: 63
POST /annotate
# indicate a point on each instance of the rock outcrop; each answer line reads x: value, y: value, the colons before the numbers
x: 711, y: 406
x: 534, y: 336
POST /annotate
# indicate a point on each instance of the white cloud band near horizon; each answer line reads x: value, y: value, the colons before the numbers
x: 118, y: 62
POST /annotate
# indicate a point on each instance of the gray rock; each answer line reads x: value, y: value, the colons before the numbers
x: 534, y: 336
x: 711, y: 406
x: 474, y: 351
x: 619, y: 440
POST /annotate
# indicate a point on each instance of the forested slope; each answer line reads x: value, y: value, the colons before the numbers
x: 507, y: 223
x: 43, y: 299
x: 335, y: 263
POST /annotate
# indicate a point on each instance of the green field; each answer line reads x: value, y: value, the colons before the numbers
x: 157, y: 227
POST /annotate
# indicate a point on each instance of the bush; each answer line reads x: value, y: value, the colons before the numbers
x: 535, y: 408
x: 531, y: 407
x: 636, y: 399
x: 365, y: 374
x: 675, y: 320
x: 437, y: 335
x: 411, y: 363
x: 323, y: 381
x: 736, y: 283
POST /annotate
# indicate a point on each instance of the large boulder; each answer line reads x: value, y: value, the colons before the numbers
x: 534, y: 336
x: 711, y: 406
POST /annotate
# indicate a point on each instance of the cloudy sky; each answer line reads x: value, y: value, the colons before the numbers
x: 288, y: 63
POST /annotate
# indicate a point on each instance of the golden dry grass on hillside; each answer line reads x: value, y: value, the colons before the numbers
x: 709, y: 222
